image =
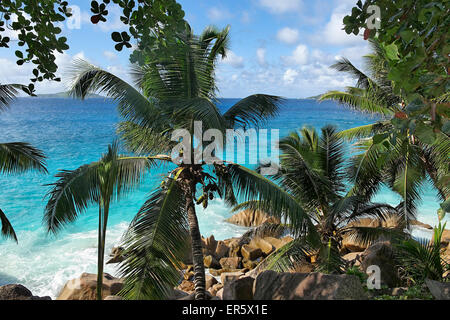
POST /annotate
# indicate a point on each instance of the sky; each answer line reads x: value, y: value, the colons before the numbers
x: 278, y: 47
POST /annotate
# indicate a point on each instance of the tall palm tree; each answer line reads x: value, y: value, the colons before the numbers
x: 313, y: 170
x: 397, y: 151
x: 175, y: 87
x: 16, y: 157
x: 100, y: 182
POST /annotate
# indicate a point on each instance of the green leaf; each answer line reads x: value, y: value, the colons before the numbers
x: 446, y: 205
x: 116, y: 37
x: 378, y: 138
x: 425, y: 133
x: 392, y: 52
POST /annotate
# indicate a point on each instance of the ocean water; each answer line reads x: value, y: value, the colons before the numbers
x: 72, y: 133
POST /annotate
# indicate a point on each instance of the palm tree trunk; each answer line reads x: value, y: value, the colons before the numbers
x: 101, y: 248
x: 197, y: 251
x: 100, y: 253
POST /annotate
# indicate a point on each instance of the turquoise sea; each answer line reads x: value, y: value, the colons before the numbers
x: 72, y: 133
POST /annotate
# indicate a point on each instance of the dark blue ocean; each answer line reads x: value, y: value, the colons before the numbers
x: 72, y: 133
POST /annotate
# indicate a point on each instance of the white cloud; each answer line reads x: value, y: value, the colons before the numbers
x: 261, y: 57
x: 12, y: 73
x: 355, y: 54
x: 234, y: 60
x: 216, y: 14
x: 289, y: 76
x: 110, y: 55
x: 281, y: 6
x: 288, y: 35
x: 299, y: 56
x: 332, y: 33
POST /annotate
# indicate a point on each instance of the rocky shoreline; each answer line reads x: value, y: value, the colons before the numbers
x: 235, y: 271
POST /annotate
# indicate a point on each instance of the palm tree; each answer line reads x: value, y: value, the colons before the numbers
x: 313, y: 170
x: 175, y: 87
x: 423, y: 259
x: 16, y: 157
x: 398, y: 150
x: 100, y: 182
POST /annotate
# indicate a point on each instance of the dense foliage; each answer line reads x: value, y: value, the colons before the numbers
x: 415, y: 37
x: 401, y: 150
x: 39, y: 36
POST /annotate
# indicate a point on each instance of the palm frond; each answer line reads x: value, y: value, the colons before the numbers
x: 19, y: 157
x: 289, y: 256
x: 332, y: 158
x: 250, y: 185
x: 8, y: 93
x: 253, y: 111
x: 153, y: 244
x: 366, y: 236
x: 143, y: 139
x: 365, y: 131
x: 7, y: 230
x: 421, y: 259
x: 132, y: 105
x: 344, y: 65
x: 74, y: 191
x: 361, y: 102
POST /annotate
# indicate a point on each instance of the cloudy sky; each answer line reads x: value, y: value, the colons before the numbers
x: 280, y: 47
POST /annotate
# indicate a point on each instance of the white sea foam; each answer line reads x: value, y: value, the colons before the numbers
x: 45, y: 263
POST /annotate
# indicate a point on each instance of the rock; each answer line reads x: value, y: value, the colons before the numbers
x: 353, y: 258
x: 189, y: 275
x: 351, y: 245
x: 221, y: 249
x: 218, y: 272
x: 85, y: 287
x: 113, y: 298
x: 302, y: 267
x: 270, y: 285
x: 239, y: 289
x: 18, y: 292
x: 421, y: 224
x: 276, y: 243
x: 211, y: 262
x: 251, y: 218
x: 219, y: 294
x: 266, y: 247
x: 439, y: 290
x: 234, y: 248
x: 215, y: 288
x: 230, y: 276
x: 177, y: 295
x: 382, y: 255
x: 287, y: 239
x: 398, y: 291
x: 116, y: 255
x: 210, y: 245
x: 210, y: 281
x: 15, y: 292
x: 250, y: 253
x: 248, y: 264
x: 230, y: 263
x: 187, y: 286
